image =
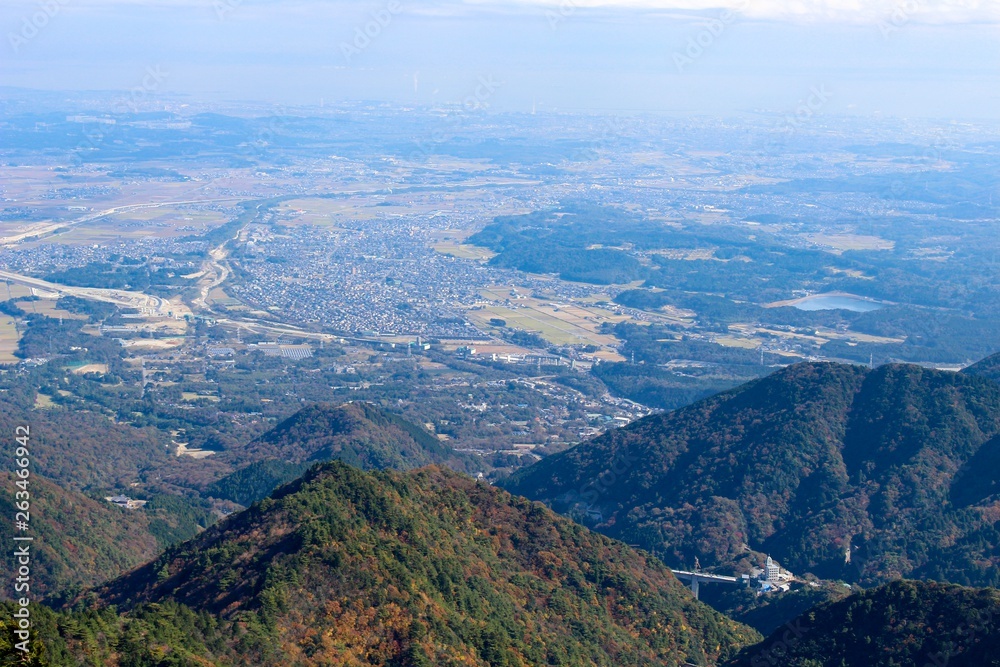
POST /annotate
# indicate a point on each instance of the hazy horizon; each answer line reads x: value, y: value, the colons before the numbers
x: 900, y: 59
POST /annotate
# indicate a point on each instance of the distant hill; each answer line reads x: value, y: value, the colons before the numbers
x: 81, y: 449
x: 902, y: 623
x: 427, y: 568
x: 893, y: 466
x: 79, y: 542
x: 359, y: 434
x: 989, y: 367
x: 256, y: 481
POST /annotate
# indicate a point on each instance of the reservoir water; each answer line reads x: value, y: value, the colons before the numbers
x: 850, y: 302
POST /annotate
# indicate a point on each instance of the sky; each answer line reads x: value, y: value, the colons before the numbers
x: 906, y: 58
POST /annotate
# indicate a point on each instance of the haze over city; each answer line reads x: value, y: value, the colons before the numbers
x: 913, y: 59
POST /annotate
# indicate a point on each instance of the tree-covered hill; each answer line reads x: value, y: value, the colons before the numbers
x: 569, y: 242
x: 989, y: 367
x: 78, y: 542
x: 255, y: 481
x: 810, y: 464
x: 901, y: 623
x: 359, y: 434
x: 81, y: 449
x: 421, y: 568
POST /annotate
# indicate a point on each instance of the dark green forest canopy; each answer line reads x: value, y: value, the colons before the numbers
x: 989, y: 367
x: 360, y: 434
x: 806, y: 464
x: 427, y: 567
x: 80, y: 541
x: 902, y: 623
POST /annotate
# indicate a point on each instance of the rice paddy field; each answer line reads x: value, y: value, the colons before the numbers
x: 558, y: 323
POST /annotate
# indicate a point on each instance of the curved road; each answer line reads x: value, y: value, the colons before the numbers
x: 154, y: 305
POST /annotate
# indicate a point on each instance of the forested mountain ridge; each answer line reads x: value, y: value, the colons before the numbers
x: 359, y: 434
x: 901, y: 623
x: 809, y: 464
x: 988, y: 367
x: 81, y: 542
x: 82, y: 449
x: 424, y: 568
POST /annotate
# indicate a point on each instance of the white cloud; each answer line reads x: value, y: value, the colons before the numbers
x: 839, y: 11
x: 812, y: 11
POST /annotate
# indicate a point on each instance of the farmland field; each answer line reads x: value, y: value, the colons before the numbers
x: 8, y: 340
x: 47, y: 307
x: 464, y: 251
x: 558, y: 323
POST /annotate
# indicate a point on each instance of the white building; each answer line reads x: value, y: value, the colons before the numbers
x: 771, y: 570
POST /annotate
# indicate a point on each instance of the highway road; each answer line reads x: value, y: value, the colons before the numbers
x: 153, y: 306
